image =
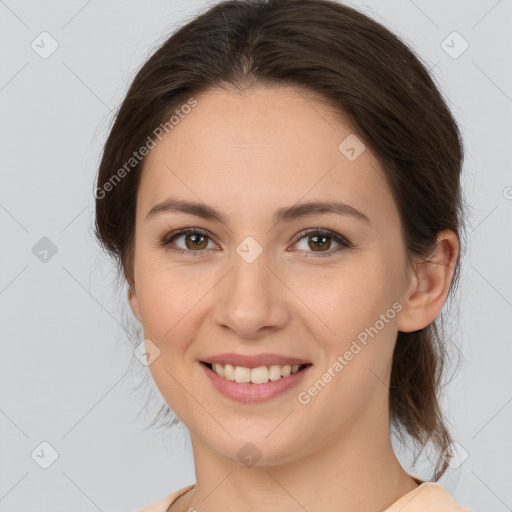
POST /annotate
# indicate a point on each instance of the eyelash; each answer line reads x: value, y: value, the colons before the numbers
x: 341, y: 240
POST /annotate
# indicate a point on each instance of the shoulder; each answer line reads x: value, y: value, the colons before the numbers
x: 163, y: 503
x: 427, y: 497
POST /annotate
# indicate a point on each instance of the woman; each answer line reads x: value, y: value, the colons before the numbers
x: 281, y: 191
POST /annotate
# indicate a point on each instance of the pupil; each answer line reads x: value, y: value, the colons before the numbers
x: 196, y: 239
x: 317, y: 238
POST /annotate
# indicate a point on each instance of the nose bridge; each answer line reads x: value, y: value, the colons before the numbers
x: 250, y: 269
x: 250, y: 301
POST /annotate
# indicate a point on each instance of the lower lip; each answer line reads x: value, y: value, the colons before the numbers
x: 247, y: 392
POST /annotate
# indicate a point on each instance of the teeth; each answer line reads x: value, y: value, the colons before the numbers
x: 274, y: 372
x: 259, y: 375
x: 242, y: 374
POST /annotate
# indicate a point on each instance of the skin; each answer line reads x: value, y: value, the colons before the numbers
x: 247, y: 154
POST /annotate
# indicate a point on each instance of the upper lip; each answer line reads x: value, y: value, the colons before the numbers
x: 253, y: 361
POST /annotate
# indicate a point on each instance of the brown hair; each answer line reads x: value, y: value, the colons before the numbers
x: 373, y: 79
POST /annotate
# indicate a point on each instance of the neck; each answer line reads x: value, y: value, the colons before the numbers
x: 357, y: 470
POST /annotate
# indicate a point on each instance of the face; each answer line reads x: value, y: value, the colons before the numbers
x: 251, y: 282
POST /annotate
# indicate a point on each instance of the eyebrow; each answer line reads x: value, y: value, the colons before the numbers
x: 285, y: 214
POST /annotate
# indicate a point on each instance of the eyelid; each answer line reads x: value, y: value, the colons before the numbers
x: 322, y: 231
x: 342, y: 241
x: 173, y: 235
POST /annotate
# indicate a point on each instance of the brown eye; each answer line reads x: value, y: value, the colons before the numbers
x: 320, y: 241
x: 195, y: 241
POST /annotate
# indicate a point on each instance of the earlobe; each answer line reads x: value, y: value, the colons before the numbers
x: 430, y: 284
x: 134, y: 304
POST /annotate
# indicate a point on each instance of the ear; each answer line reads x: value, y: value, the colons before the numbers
x: 134, y: 303
x: 429, y: 284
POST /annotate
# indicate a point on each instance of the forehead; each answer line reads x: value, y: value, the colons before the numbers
x: 267, y: 146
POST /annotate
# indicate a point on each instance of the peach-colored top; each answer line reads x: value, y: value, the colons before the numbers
x: 427, y: 497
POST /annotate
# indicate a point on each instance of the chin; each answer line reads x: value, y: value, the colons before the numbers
x: 254, y: 448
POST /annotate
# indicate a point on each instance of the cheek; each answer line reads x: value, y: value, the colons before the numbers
x: 170, y: 300
x: 357, y: 306
x: 347, y: 299
x: 172, y: 312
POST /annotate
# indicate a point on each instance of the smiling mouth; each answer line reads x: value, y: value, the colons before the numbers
x: 259, y: 375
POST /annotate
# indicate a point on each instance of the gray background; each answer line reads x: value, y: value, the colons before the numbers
x: 64, y: 353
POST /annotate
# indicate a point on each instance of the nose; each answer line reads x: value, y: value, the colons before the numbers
x: 251, y: 302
